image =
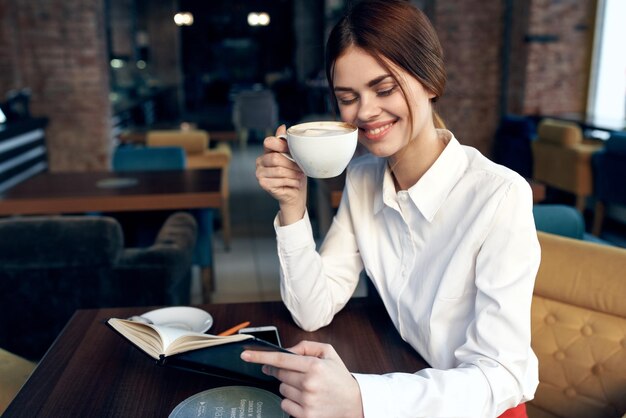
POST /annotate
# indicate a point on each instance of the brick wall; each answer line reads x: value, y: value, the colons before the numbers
x: 559, y: 56
x: 548, y: 58
x: 470, y: 32
x: 57, y: 48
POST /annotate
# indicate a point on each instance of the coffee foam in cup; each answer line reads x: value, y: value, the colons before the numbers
x: 319, y: 131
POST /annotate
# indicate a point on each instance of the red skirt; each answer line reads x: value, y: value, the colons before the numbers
x: 518, y: 412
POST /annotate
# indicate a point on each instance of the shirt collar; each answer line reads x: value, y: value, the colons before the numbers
x: 429, y: 193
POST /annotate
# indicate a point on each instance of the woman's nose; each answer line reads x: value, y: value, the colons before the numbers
x: 368, y: 108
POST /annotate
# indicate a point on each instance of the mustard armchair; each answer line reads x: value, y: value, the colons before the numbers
x: 14, y: 372
x: 199, y: 155
x: 578, y: 323
x: 561, y: 159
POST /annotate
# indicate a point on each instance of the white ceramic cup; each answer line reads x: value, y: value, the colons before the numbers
x: 321, y: 149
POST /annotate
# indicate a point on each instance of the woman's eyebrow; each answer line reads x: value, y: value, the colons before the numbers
x: 370, y: 83
x: 377, y: 80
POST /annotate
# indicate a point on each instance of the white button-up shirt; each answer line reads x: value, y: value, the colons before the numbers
x: 454, y: 259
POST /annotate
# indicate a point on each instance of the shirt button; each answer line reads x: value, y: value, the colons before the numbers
x: 570, y: 392
x: 559, y: 355
x: 550, y: 319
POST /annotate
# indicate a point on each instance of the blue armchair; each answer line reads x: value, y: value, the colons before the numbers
x: 129, y: 158
x: 141, y: 231
x: 512, y: 144
x: 559, y: 219
x: 563, y: 220
x: 52, y: 265
x: 609, y: 177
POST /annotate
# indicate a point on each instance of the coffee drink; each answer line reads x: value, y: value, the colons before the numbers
x: 321, y: 149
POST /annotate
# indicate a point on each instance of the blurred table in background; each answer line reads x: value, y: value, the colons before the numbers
x: 105, y: 191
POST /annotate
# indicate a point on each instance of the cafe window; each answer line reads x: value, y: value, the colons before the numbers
x: 607, y: 94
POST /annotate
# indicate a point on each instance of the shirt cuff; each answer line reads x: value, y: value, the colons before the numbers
x: 375, y: 389
x: 296, y: 235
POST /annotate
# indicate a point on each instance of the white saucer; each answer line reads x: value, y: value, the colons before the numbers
x: 183, y: 317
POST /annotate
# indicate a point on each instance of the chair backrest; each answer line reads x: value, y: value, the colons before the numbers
x: 560, y: 133
x: 255, y: 109
x: 609, y: 171
x: 512, y: 143
x: 131, y: 158
x: 578, y: 328
x: 49, y: 267
x: 616, y: 143
x: 559, y: 219
x: 192, y: 141
x: 562, y: 160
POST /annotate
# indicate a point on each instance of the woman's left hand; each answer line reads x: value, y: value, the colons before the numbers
x: 315, y: 382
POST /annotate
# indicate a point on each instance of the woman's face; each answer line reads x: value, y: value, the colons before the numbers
x: 370, y: 97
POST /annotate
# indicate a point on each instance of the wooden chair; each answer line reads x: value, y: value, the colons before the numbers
x: 199, y: 155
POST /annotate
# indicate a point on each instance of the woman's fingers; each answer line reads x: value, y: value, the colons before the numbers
x: 314, y: 380
x: 276, y: 144
x: 281, y: 130
x: 277, y: 359
x: 314, y: 349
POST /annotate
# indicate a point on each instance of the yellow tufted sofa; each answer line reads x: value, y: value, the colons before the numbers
x: 579, y: 330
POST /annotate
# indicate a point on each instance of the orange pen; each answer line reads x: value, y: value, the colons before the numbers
x: 231, y: 331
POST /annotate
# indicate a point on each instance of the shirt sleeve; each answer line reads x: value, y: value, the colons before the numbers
x: 496, y: 368
x: 315, y: 286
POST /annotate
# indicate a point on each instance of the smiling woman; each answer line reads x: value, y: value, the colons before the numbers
x: 445, y: 235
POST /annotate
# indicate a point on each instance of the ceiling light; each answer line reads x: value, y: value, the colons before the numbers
x: 183, y: 19
x: 117, y: 63
x: 258, y: 19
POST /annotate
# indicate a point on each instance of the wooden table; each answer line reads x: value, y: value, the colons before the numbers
x: 90, y: 371
x: 76, y: 192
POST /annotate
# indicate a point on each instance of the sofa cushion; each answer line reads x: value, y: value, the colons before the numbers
x: 534, y: 411
x: 579, y: 329
x: 581, y: 357
x: 582, y: 274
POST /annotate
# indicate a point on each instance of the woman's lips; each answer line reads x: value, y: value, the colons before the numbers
x: 376, y: 132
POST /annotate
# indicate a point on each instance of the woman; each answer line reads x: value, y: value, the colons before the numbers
x: 446, y: 236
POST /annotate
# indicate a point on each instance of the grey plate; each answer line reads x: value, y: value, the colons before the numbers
x: 228, y: 401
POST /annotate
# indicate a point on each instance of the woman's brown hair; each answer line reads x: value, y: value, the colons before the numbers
x: 391, y: 31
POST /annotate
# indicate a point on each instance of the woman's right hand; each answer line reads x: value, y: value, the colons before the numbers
x: 282, y: 178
